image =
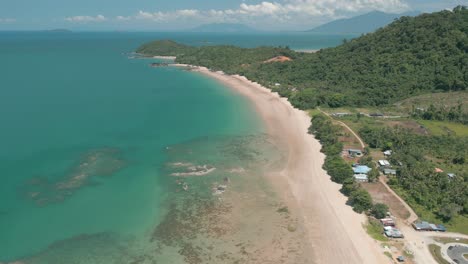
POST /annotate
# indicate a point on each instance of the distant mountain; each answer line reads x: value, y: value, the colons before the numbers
x: 360, y: 24
x: 223, y: 27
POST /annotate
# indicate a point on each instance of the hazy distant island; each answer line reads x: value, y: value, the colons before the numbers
x: 392, y: 101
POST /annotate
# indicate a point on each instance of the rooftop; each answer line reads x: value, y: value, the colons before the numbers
x: 361, y: 169
x: 361, y: 177
x: 384, y: 163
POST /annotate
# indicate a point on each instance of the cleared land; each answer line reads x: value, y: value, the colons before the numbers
x: 439, y: 128
x: 380, y: 194
x: 450, y: 99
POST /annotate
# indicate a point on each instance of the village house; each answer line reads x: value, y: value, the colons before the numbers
x: 392, y: 232
x: 361, y: 169
x: 426, y: 226
x: 361, y: 177
x: 355, y: 152
x: 360, y: 173
x: 387, y: 222
x: 389, y: 172
x: 340, y: 114
x: 384, y: 163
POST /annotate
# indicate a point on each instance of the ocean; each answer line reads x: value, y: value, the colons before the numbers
x: 102, y: 156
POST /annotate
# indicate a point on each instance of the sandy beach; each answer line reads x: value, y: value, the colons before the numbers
x: 164, y: 57
x: 334, y: 230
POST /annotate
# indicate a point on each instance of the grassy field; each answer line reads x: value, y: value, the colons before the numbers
x: 435, y: 251
x: 437, y: 99
x: 313, y: 112
x: 375, y: 230
x: 444, y: 128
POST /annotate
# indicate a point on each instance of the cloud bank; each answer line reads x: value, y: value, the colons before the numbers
x: 286, y: 10
x: 86, y: 19
x: 291, y: 12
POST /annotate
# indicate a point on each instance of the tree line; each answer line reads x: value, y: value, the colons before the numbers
x: 442, y: 113
x: 340, y: 171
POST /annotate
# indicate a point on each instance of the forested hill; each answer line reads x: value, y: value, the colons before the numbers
x: 411, y: 56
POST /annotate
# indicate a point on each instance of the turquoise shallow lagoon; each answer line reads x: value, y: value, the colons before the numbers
x: 86, y: 134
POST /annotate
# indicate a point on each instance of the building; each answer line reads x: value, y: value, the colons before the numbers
x: 438, y: 170
x: 451, y: 175
x: 354, y: 152
x: 393, y: 232
x: 384, y: 163
x: 361, y: 169
x: 389, y: 172
x: 387, y: 222
x: 340, y: 114
x: 422, y: 226
x: 426, y: 226
x: 441, y: 228
x: 387, y: 153
x: 361, y: 177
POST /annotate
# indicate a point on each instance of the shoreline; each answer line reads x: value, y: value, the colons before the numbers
x: 164, y: 57
x: 335, y: 232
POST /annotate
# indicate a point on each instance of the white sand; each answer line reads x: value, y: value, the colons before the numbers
x: 335, y: 231
x: 165, y: 57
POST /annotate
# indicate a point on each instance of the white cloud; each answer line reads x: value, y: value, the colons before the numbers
x: 86, y: 19
x: 123, y: 18
x: 284, y: 11
x: 7, y: 20
x: 281, y: 14
x: 264, y: 8
x: 168, y: 16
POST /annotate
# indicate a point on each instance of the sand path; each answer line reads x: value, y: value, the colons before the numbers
x: 335, y: 232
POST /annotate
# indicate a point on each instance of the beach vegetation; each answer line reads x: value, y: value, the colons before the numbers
x: 379, y: 210
x: 360, y: 200
x: 375, y: 230
x: 388, y: 254
x: 292, y: 228
x: 283, y: 209
x: 338, y: 169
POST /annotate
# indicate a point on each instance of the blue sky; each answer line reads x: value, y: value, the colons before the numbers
x: 156, y: 15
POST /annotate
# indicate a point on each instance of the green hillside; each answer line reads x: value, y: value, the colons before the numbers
x: 409, y: 57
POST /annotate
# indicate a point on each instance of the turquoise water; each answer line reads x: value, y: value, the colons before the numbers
x: 85, y: 133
